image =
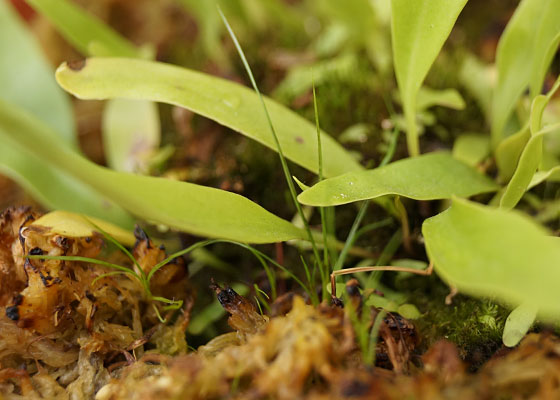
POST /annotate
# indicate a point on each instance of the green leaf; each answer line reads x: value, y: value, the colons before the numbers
x: 449, y: 98
x: 518, y: 323
x: 428, y: 177
x: 87, y: 33
x: 130, y: 128
x: 419, y: 28
x: 488, y: 252
x: 508, y: 152
x: 34, y: 89
x: 27, y: 79
x: 532, y: 153
x: 552, y: 174
x: 52, y: 187
x: 131, y: 132
x: 471, y: 148
x: 523, y: 55
x: 228, y: 103
x: 191, y: 208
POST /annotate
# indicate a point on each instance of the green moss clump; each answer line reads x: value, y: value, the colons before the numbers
x: 475, y: 326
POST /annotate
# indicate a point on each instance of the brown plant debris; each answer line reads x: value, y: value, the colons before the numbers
x: 68, y: 332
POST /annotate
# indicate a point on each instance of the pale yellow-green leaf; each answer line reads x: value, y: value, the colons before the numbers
x: 419, y: 28
x: 228, y: 103
x: 184, y: 206
x: 488, y: 252
x: 428, y: 177
x: 78, y: 225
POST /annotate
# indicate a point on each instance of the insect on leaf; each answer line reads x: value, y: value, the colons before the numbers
x: 184, y: 206
x: 488, y: 252
x: 223, y: 101
x: 419, y: 28
x: 428, y: 177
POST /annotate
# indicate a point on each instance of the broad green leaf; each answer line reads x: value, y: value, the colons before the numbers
x: 52, y: 187
x: 228, y: 103
x: 27, y: 79
x: 471, y: 148
x: 184, y: 206
x: 488, y: 252
x: 428, y: 177
x: 87, y: 33
x: 78, y: 225
x: 518, y: 323
x: 130, y: 128
x: 449, y: 98
x: 419, y: 28
x: 131, y: 132
x: 523, y: 54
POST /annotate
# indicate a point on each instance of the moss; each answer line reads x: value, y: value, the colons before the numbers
x: 474, y: 325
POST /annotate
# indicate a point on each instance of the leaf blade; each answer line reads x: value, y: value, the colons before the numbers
x: 418, y: 29
x: 225, y: 102
x: 88, y: 34
x: 489, y: 252
x: 427, y: 177
x: 192, y: 208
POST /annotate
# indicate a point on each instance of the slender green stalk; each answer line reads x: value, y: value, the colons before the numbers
x: 324, y: 267
x: 285, y: 167
x: 119, y: 245
x: 363, y: 209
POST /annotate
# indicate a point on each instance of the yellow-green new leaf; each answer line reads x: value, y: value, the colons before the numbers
x: 419, y: 28
x: 428, y: 177
x: 228, y: 103
x: 184, y: 206
x: 489, y: 252
x: 78, y: 225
